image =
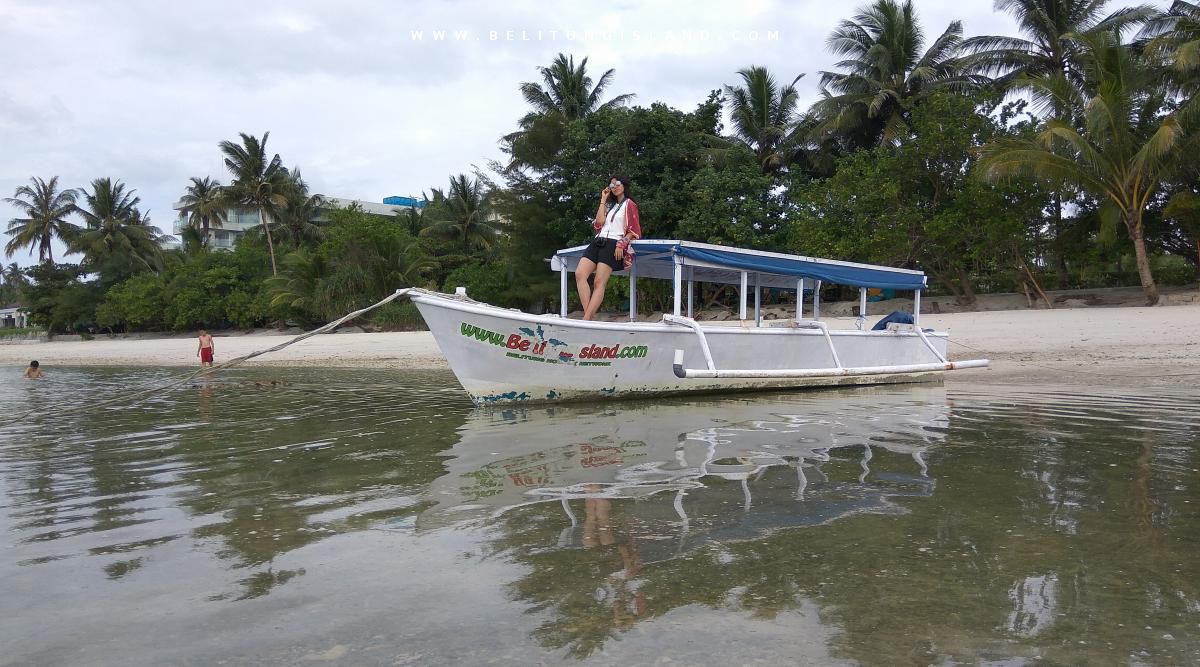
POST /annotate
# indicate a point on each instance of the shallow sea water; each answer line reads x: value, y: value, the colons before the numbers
x: 314, y: 516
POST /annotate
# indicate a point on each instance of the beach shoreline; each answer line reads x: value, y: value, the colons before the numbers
x: 1111, y: 346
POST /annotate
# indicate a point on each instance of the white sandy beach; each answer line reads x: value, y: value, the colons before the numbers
x: 1110, y: 345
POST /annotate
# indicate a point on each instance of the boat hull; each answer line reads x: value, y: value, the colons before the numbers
x: 506, y: 356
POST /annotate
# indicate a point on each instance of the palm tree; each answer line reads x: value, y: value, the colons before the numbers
x: 46, y: 210
x: 414, y: 217
x: 566, y: 93
x: 886, y: 73
x: 205, y: 205
x: 404, y: 262
x: 463, y: 215
x: 1176, y: 35
x: 300, y: 285
x: 258, y: 183
x: 300, y: 209
x: 12, y: 283
x: 764, y: 116
x: 1187, y: 35
x: 192, y: 242
x: 1050, y: 45
x: 117, y: 238
x: 1129, y: 142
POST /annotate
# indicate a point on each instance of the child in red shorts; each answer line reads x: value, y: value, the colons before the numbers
x: 205, y: 352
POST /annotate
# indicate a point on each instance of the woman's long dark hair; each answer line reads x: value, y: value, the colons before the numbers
x: 628, y: 189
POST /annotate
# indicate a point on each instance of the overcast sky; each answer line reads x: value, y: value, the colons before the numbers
x: 360, y: 94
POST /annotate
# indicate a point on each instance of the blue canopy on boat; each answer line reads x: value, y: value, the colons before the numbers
x: 709, y: 263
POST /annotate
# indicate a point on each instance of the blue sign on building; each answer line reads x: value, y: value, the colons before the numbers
x: 411, y: 202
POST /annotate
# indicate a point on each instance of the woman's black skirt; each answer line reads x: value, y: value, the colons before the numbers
x: 603, y: 251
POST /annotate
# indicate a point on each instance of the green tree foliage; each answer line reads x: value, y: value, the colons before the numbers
x: 1176, y: 37
x: 463, y: 215
x: 259, y: 183
x: 1129, y: 142
x: 363, y: 258
x: 58, y: 300
x: 919, y: 204
x: 300, y: 287
x: 885, y: 74
x: 46, y: 209
x: 659, y: 149
x: 566, y: 94
x: 205, y: 204
x: 764, y: 117
x: 208, y: 289
x: 301, y: 209
x: 414, y: 218
x: 735, y: 204
x: 484, y: 282
x: 1049, y: 44
x: 136, y: 304
x: 13, y: 283
x: 1050, y: 41
x: 567, y: 91
x: 117, y: 240
x: 1184, y: 208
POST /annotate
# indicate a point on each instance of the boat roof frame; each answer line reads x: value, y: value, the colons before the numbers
x: 711, y: 270
x: 689, y: 262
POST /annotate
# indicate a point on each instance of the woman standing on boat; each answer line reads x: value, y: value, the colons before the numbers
x: 616, y: 224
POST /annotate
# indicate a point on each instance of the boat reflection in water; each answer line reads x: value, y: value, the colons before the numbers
x: 716, y: 469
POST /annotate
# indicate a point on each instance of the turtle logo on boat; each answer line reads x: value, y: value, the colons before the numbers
x: 530, y: 345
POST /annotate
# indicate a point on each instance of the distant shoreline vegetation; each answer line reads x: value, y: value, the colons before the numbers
x: 1064, y: 156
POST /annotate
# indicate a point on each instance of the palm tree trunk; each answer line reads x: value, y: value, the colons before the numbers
x: 262, y: 220
x: 1059, y: 250
x: 1134, y: 222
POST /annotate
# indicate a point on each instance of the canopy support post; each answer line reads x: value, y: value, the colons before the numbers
x: 799, y: 299
x: 677, y: 284
x: 691, y: 290
x: 742, y: 298
x: 633, y: 293
x: 562, y: 291
x: 817, y: 301
x: 862, y: 304
x: 917, y: 308
x: 757, y: 300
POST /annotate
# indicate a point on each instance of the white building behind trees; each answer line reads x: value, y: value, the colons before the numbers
x: 238, y: 221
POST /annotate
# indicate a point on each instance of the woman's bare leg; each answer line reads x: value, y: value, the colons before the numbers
x: 582, y: 272
x: 603, y: 271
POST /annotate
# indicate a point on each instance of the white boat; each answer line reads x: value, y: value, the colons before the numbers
x: 504, y: 355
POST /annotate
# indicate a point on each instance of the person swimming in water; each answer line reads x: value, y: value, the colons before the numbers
x: 34, y: 372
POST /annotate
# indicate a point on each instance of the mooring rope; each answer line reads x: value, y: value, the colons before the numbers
x: 140, y: 395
